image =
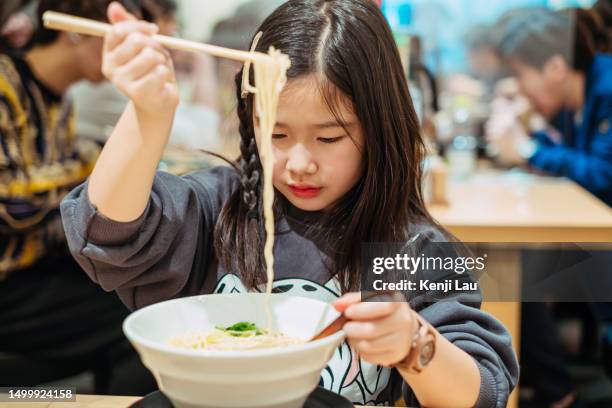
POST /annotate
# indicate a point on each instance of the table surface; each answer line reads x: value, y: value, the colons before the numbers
x: 84, y: 401
x: 494, y: 206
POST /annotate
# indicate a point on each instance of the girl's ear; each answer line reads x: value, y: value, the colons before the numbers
x: 556, y: 69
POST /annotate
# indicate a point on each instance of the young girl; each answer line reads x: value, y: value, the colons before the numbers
x: 347, y: 153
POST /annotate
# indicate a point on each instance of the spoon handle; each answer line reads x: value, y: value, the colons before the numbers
x: 338, y: 323
x: 332, y: 328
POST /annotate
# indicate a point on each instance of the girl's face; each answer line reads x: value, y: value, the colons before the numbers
x: 316, y: 161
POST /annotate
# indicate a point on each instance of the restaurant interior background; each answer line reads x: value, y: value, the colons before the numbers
x: 458, y: 83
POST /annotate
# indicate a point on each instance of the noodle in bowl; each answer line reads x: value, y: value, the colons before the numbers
x: 219, y: 340
x: 277, y: 375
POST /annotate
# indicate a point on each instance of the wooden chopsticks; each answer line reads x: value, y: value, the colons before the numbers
x: 66, y: 22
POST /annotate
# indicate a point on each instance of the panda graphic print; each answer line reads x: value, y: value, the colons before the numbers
x: 346, y: 374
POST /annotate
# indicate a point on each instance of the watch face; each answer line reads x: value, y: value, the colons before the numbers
x: 427, y: 353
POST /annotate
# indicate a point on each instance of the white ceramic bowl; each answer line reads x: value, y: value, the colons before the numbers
x: 273, y: 378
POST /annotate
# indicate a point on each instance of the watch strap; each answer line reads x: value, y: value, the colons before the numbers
x: 422, y: 347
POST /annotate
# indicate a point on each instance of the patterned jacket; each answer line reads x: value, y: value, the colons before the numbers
x: 40, y: 161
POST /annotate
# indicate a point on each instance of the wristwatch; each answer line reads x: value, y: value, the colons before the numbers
x: 422, y: 348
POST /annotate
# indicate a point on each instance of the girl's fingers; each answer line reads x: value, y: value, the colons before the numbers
x: 380, y: 358
x: 364, y: 330
x: 153, y: 83
x: 371, y: 310
x: 169, y: 63
x: 400, y: 321
x: 146, y: 61
x: 130, y: 48
x: 345, y: 301
x: 122, y: 30
x: 116, y: 13
x: 388, y: 342
x: 371, y: 329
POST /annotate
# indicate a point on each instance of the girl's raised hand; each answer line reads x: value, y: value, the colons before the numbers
x: 381, y: 332
x: 137, y: 64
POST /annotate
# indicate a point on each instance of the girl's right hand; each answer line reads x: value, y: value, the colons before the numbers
x: 138, y: 65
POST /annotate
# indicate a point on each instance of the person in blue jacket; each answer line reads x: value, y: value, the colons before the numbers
x: 562, y: 63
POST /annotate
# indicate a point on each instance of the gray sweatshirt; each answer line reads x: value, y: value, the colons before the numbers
x: 168, y: 253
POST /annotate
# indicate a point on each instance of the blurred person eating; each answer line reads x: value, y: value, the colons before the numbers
x: 562, y: 64
x: 55, y: 322
x: 563, y: 75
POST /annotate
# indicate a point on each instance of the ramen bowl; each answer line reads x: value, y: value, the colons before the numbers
x: 279, y: 377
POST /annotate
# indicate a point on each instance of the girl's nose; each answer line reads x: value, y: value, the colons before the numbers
x: 300, y: 161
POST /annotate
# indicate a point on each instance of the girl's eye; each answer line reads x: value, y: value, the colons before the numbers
x: 278, y: 136
x: 330, y: 140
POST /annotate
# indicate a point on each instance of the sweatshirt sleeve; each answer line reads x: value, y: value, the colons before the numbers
x: 459, y: 319
x: 161, y: 255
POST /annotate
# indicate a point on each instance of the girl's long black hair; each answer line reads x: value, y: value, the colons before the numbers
x: 349, y: 46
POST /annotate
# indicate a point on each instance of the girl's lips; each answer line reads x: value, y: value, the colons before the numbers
x: 305, y: 192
